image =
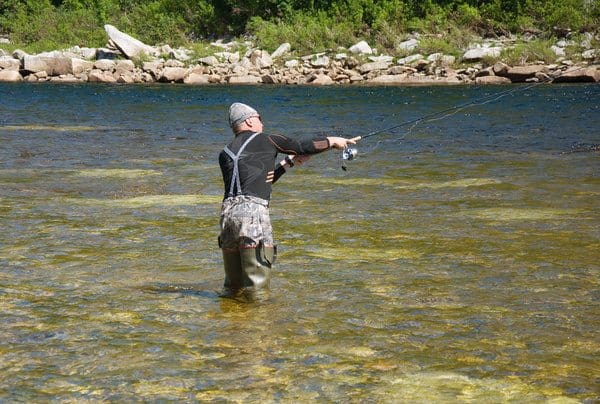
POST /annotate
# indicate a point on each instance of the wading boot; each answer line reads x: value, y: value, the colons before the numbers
x: 257, y: 264
x: 234, y: 275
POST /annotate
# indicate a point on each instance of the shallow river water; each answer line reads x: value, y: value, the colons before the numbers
x: 454, y: 260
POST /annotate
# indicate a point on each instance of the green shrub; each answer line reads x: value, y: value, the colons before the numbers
x: 306, y: 33
x: 153, y: 25
x: 309, y: 25
x: 203, y: 49
x: 434, y: 21
x: 435, y: 44
x: 43, y: 28
x: 467, y: 16
x: 528, y: 52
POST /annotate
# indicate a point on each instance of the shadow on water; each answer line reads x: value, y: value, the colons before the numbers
x: 205, y: 290
x: 198, y: 289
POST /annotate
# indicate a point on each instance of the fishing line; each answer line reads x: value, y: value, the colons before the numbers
x: 452, y: 110
x: 350, y: 153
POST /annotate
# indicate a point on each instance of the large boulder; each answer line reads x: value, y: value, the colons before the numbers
x: 369, y: 67
x: 261, y: 59
x: 9, y: 63
x: 591, y: 54
x: 281, y: 50
x: 124, y: 67
x: 53, y: 66
x: 408, y: 45
x: 481, y: 52
x: 244, y: 80
x: 389, y: 79
x: 229, y: 57
x: 80, y: 66
x: 587, y: 75
x: 409, y: 59
x: 34, y: 64
x: 10, y: 76
x: 209, y: 61
x: 321, y: 80
x: 412, y: 80
x: 519, y: 74
x: 59, y: 66
x: 100, y: 76
x: 492, y: 80
x: 362, y: 48
x: 320, y: 61
x: 196, y: 79
x: 154, y: 68
x: 106, y: 65
x: 174, y: 74
x: 130, y: 46
x: 500, y: 68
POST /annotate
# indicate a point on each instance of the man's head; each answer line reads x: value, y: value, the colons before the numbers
x: 239, y: 117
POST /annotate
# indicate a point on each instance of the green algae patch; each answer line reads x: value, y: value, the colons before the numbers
x: 397, y: 183
x: 463, y: 183
x: 117, y: 173
x: 516, y: 214
x: 56, y: 128
x: 364, y: 254
x: 444, y: 386
x: 147, y: 201
x: 361, y: 351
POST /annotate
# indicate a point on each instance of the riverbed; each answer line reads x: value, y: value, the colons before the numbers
x: 455, y: 259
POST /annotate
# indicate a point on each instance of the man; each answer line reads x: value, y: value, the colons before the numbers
x: 249, y: 170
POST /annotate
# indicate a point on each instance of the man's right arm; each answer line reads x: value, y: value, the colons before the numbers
x: 314, y: 145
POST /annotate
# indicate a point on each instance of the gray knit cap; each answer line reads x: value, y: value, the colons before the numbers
x: 238, y: 112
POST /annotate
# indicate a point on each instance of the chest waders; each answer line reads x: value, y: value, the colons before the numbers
x: 248, y: 266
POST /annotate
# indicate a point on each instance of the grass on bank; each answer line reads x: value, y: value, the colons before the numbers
x: 39, y: 26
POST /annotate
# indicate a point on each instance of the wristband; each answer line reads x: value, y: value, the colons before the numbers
x: 289, y: 161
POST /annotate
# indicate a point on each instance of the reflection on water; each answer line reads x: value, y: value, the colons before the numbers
x: 459, y: 263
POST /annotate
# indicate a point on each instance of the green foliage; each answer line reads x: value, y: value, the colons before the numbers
x: 467, y: 15
x: 309, y: 25
x: 528, y: 52
x: 153, y: 23
x: 434, y: 19
x: 41, y: 26
x: 202, y: 49
x: 307, y: 33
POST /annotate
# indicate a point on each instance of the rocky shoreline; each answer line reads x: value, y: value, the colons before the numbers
x: 359, y: 64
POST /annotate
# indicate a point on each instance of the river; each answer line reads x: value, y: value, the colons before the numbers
x: 455, y: 259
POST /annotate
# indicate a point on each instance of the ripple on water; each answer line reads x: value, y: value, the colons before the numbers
x: 455, y: 262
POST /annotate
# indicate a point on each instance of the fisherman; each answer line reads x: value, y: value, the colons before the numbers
x: 249, y: 170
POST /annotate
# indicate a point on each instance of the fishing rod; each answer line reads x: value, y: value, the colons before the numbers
x: 349, y: 153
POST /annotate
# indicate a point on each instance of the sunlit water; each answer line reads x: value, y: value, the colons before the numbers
x: 456, y: 260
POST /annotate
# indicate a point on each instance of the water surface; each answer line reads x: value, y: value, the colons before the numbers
x: 454, y: 260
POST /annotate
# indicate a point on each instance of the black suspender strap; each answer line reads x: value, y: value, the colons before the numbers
x: 236, y: 184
